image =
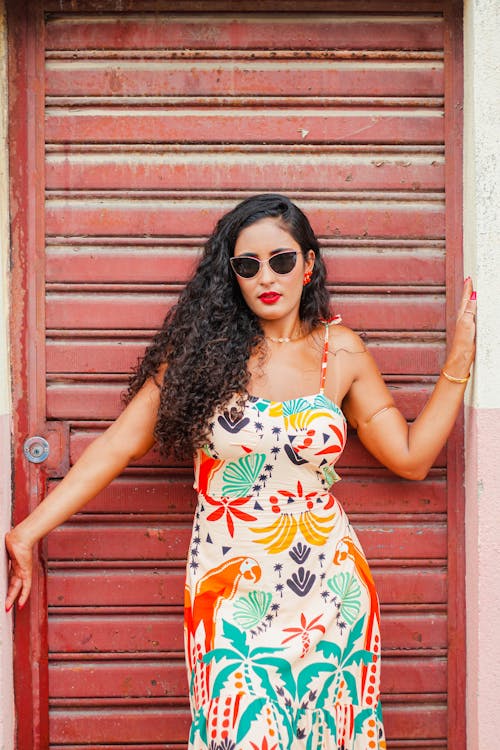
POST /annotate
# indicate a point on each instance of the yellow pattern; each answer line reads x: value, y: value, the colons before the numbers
x: 281, y: 533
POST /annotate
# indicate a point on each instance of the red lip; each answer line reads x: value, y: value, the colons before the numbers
x: 269, y: 298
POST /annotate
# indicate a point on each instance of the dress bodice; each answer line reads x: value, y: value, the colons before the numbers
x: 276, y: 446
x: 284, y: 451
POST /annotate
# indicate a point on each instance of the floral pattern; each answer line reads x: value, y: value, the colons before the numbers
x: 282, y: 626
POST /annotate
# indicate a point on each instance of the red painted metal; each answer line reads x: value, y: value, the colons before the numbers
x: 243, y: 78
x: 315, y: 168
x: 155, y: 123
x: 229, y: 31
x: 26, y: 152
x: 250, y: 125
x: 454, y: 274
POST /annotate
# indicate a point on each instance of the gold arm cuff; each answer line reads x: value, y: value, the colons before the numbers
x: 452, y: 379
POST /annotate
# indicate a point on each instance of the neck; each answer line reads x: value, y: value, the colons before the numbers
x: 281, y: 330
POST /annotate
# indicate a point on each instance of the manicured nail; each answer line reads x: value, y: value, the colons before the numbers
x: 473, y: 295
x: 8, y: 608
x: 20, y: 606
x: 466, y: 279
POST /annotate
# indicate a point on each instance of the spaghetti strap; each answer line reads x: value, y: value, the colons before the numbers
x: 324, y: 360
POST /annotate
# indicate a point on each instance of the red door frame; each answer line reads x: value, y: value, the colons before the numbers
x: 26, y: 163
x: 26, y: 138
x: 454, y: 98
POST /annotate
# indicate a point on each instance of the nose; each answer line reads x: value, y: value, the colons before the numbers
x: 266, y: 273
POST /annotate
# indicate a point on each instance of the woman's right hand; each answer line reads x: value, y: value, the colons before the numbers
x: 21, y: 567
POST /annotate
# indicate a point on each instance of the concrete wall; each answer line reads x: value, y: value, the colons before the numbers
x: 6, y: 688
x: 482, y: 262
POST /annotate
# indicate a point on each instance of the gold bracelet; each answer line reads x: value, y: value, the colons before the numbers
x: 453, y: 379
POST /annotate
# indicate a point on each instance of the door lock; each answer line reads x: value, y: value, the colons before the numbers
x: 36, y: 449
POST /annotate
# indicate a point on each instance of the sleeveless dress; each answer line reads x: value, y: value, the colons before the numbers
x: 282, y: 618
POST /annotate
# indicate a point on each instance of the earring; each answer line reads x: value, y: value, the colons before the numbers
x: 307, y: 277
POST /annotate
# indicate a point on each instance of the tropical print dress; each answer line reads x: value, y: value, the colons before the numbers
x: 281, y: 614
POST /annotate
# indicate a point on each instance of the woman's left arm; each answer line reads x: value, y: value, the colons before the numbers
x: 410, y: 449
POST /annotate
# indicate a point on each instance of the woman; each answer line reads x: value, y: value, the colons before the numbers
x: 281, y: 614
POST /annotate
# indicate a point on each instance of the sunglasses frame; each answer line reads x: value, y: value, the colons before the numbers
x: 262, y: 262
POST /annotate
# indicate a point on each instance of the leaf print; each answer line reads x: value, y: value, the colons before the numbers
x: 232, y: 425
x: 251, y: 609
x: 235, y: 636
x: 199, y: 726
x: 229, y: 508
x: 300, y: 553
x: 264, y: 745
x: 295, y: 406
x: 360, y: 719
x: 240, y: 476
x: 347, y: 588
x: 321, y: 401
x: 249, y: 714
x: 301, y: 582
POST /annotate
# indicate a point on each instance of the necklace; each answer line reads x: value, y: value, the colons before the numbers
x: 284, y: 339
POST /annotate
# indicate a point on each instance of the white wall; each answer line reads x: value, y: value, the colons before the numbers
x: 6, y: 686
x: 482, y: 262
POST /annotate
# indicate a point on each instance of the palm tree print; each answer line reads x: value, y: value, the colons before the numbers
x: 251, y: 669
x: 304, y: 632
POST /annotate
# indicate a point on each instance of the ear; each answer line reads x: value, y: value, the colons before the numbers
x: 309, y: 260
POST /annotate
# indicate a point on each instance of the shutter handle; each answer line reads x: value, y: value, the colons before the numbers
x: 36, y: 449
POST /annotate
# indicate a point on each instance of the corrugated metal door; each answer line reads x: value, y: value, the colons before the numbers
x: 158, y: 117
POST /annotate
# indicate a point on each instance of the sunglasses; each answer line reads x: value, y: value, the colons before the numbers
x: 248, y: 267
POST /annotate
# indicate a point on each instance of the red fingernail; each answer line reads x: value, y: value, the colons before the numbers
x: 8, y: 608
x: 473, y: 295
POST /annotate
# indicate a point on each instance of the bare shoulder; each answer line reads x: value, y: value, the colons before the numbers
x: 344, y: 339
x: 341, y: 341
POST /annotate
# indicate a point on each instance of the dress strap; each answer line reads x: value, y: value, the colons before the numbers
x: 324, y: 360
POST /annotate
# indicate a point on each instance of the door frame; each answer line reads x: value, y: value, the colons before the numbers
x: 26, y: 63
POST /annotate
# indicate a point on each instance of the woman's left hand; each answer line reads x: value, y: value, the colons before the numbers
x: 463, y: 345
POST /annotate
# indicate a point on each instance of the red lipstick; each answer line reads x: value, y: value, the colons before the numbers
x: 269, y: 298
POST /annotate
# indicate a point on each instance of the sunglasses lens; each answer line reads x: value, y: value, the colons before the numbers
x: 245, y: 267
x: 283, y: 262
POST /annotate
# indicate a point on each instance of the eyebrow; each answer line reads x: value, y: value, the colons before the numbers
x: 249, y: 254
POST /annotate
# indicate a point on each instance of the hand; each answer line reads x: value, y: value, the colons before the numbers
x: 21, y: 567
x: 463, y: 346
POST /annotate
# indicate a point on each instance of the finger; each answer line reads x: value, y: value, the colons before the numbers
x: 466, y: 295
x: 13, y: 592
x: 25, y: 592
x: 470, y: 309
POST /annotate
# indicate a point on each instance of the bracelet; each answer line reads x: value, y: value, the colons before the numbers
x: 453, y: 379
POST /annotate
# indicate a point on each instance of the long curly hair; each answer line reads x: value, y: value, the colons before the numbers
x: 208, y: 336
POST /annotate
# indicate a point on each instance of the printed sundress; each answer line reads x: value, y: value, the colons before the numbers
x: 282, y: 624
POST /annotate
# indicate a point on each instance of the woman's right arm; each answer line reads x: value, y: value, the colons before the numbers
x: 128, y: 438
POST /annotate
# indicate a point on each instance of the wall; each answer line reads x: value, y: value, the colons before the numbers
x: 482, y: 262
x: 6, y: 689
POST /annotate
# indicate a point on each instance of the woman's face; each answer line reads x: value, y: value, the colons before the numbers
x: 271, y: 295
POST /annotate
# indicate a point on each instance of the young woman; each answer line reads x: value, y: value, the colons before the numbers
x: 247, y: 373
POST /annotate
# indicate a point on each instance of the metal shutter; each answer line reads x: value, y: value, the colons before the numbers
x: 160, y: 116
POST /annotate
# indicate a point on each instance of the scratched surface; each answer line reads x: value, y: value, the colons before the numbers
x: 156, y: 122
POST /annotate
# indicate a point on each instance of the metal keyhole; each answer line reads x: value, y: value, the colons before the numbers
x: 36, y: 449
